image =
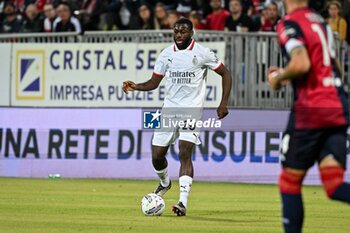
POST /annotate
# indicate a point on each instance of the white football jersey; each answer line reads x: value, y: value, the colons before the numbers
x: 185, y: 72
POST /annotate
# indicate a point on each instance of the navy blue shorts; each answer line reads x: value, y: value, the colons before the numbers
x: 300, y: 149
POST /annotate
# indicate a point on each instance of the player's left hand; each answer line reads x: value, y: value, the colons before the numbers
x: 222, y: 111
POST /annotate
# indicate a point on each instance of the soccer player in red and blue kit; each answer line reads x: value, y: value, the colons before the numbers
x: 319, y: 117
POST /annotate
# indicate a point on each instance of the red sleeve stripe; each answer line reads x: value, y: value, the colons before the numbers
x: 192, y: 45
x: 159, y: 75
x: 218, y: 67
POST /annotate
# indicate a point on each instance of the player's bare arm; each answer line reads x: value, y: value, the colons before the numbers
x: 222, y: 110
x: 149, y: 85
x: 298, y: 66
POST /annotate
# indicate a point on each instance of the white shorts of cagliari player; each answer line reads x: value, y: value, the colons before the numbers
x: 167, y: 138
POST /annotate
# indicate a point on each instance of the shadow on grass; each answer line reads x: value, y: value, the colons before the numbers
x: 215, y: 219
x: 214, y: 216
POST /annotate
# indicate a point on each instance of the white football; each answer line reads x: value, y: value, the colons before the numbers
x: 152, y: 205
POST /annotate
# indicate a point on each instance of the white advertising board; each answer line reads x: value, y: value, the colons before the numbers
x: 110, y: 143
x: 91, y: 75
x: 5, y: 65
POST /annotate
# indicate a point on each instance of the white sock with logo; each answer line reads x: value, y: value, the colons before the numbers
x: 185, y: 183
x: 163, y: 176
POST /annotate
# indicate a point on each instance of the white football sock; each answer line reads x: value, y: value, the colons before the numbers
x: 185, y: 183
x: 163, y: 176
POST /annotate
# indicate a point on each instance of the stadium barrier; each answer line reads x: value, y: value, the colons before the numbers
x: 247, y: 55
x: 91, y: 74
x: 62, y: 37
x: 110, y: 143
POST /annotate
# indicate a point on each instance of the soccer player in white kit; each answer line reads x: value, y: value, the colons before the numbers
x: 184, y: 65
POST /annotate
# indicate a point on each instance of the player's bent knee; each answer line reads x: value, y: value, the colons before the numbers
x: 290, y: 182
x: 157, y: 158
x: 332, y: 177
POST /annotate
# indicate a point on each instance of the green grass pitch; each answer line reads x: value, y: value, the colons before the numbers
x: 102, y: 205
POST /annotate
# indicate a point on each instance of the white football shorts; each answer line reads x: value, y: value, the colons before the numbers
x: 168, y: 138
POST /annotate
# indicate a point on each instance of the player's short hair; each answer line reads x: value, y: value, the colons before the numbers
x: 185, y: 21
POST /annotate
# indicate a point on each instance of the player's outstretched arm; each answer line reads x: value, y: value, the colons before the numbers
x: 298, y: 66
x: 149, y: 85
x: 222, y: 110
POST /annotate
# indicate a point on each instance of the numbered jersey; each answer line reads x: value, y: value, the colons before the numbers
x: 185, y: 72
x: 319, y: 98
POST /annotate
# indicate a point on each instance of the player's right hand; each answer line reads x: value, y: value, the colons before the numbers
x: 272, y: 77
x: 128, y: 86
